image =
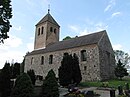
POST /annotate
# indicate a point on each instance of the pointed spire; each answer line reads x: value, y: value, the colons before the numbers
x: 48, y: 8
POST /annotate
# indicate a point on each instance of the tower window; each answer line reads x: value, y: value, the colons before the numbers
x: 51, y: 29
x: 50, y: 59
x: 38, y: 31
x: 42, y: 60
x: 42, y: 30
x: 83, y: 55
x: 55, y: 31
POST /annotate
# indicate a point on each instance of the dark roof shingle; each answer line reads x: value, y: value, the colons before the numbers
x: 48, y: 18
x: 93, y: 38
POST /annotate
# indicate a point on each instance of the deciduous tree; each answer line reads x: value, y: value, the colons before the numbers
x: 122, y: 56
x: 5, y: 15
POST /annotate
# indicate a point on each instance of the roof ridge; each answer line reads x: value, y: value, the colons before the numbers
x: 48, y: 18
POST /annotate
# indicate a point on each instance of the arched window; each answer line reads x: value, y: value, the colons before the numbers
x: 38, y: 31
x: 31, y: 60
x: 51, y: 29
x: 65, y: 53
x: 55, y: 31
x: 42, y: 60
x: 83, y: 55
x: 50, y: 59
x: 42, y: 30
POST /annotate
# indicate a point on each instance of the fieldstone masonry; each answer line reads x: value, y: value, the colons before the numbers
x: 99, y: 63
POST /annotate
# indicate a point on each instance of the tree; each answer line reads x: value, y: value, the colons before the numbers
x: 122, y: 56
x: 23, y: 87
x: 22, y: 66
x: 5, y: 87
x: 32, y: 76
x: 65, y: 70
x: 69, y: 71
x: 50, y: 86
x: 5, y: 15
x: 15, y: 70
x: 76, y: 70
x: 120, y: 70
x: 67, y: 37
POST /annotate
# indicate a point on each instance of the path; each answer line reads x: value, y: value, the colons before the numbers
x: 103, y: 93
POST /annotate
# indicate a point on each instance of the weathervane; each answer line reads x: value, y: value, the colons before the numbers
x: 48, y: 8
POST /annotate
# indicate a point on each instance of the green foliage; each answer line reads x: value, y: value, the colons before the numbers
x: 65, y: 70
x: 5, y: 15
x: 120, y: 70
x: 69, y: 71
x: 111, y: 83
x: 15, y: 70
x: 67, y: 37
x: 5, y: 87
x: 76, y: 70
x: 22, y: 66
x: 50, y: 86
x: 75, y: 95
x: 23, y: 87
x: 122, y: 56
x: 32, y: 76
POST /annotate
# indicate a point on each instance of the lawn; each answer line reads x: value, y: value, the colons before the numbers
x: 109, y: 83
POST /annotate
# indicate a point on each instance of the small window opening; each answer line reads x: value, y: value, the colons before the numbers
x: 51, y: 29
x: 83, y: 55
x: 50, y: 59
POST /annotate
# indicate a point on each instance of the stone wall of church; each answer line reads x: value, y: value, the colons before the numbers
x: 90, y: 69
x: 107, y: 58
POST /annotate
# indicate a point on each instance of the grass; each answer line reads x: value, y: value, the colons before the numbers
x: 109, y: 83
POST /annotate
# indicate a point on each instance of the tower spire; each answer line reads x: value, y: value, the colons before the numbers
x: 48, y: 8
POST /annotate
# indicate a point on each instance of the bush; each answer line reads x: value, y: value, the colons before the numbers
x: 50, y: 86
x: 23, y: 87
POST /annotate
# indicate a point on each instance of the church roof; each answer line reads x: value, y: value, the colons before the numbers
x: 89, y: 39
x: 48, y: 18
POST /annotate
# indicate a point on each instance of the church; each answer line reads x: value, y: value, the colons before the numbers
x: 95, y: 52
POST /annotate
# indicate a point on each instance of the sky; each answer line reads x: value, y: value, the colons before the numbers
x: 75, y: 17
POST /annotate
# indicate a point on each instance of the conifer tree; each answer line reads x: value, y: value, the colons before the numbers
x: 76, y: 70
x: 23, y: 87
x: 32, y: 76
x: 69, y: 71
x: 5, y: 87
x: 65, y: 70
x: 120, y: 70
x: 50, y: 86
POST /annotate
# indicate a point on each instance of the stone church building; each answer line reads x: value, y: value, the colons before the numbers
x: 96, y: 56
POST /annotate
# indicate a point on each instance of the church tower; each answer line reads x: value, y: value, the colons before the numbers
x: 47, y: 32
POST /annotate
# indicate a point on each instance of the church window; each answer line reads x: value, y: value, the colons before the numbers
x: 66, y: 53
x: 42, y: 30
x: 31, y: 60
x: 51, y: 29
x: 83, y: 55
x: 50, y: 59
x: 85, y: 67
x: 38, y: 31
x: 55, y: 31
x: 42, y: 60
